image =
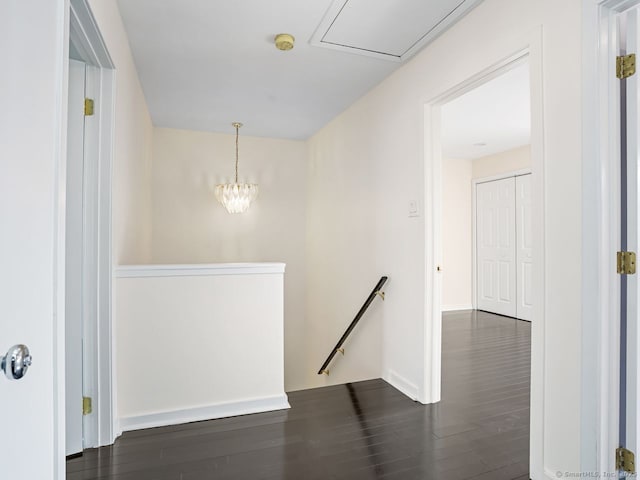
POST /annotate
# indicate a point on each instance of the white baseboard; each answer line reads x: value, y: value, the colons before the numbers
x: 210, y: 412
x: 452, y: 308
x: 117, y: 430
x: 552, y: 475
x: 401, y: 384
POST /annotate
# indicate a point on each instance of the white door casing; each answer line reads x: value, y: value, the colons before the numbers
x: 100, y: 427
x: 601, y: 147
x: 631, y: 430
x: 74, y: 257
x: 496, y: 246
x: 604, y: 358
x: 524, y: 249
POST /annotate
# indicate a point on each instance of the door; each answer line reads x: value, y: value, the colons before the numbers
x: 32, y: 120
x: 74, y: 258
x: 524, y: 259
x: 496, y: 246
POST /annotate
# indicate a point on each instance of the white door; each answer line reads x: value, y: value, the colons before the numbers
x: 496, y: 246
x: 524, y: 259
x: 32, y: 120
x: 74, y: 257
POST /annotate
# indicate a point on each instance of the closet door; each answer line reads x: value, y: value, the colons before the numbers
x: 523, y: 253
x: 496, y: 246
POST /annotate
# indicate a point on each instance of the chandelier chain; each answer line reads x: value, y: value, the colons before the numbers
x: 236, y: 197
x: 237, y: 128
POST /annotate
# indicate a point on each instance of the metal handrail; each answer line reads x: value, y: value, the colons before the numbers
x: 377, y: 291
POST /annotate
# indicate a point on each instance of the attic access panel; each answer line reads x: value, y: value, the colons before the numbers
x: 390, y: 29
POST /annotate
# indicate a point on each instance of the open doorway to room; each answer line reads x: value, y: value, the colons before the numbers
x: 485, y: 264
x: 486, y: 198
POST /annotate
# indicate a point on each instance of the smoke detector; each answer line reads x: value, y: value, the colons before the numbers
x: 284, y: 41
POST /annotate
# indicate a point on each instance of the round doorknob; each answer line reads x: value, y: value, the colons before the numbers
x: 16, y: 362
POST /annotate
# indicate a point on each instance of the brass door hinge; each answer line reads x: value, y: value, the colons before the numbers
x: 86, y: 405
x: 626, y: 263
x: 625, y: 65
x: 625, y: 460
x: 88, y: 107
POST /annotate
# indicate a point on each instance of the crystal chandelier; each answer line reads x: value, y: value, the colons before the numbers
x: 236, y: 197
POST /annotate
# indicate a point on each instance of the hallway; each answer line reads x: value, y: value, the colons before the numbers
x: 364, y: 430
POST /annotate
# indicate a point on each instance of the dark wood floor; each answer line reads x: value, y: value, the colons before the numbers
x: 365, y: 430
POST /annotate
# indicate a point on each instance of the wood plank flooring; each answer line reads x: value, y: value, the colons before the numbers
x: 359, y: 431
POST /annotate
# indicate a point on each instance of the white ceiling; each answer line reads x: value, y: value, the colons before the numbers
x: 206, y: 63
x: 496, y: 114
x: 394, y: 30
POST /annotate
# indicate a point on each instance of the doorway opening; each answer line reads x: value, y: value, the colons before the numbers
x: 486, y: 198
x: 504, y: 166
x: 486, y: 261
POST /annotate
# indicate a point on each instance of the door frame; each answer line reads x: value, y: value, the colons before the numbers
x: 601, y: 234
x: 99, y: 428
x: 531, y: 51
x: 474, y: 225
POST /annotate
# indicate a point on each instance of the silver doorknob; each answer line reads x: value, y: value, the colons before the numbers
x: 16, y: 362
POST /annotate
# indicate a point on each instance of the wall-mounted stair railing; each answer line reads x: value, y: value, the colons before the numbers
x: 377, y: 291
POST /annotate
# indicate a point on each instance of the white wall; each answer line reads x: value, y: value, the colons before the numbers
x: 190, y: 226
x: 132, y: 149
x: 342, y: 262
x: 457, y: 241
x: 367, y: 165
x: 503, y: 162
x: 191, y: 347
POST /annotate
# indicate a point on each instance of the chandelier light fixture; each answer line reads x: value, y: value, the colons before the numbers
x: 236, y: 197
